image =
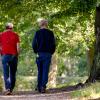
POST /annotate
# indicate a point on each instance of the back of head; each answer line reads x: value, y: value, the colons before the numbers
x: 43, y: 23
x: 9, y: 26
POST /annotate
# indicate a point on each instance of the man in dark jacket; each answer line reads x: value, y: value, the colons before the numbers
x: 44, y: 45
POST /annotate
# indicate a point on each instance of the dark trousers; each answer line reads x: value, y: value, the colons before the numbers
x: 43, y: 64
x: 9, y: 70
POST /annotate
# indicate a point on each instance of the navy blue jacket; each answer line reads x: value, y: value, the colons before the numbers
x: 44, y: 41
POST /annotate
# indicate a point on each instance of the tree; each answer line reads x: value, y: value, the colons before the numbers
x: 53, y: 72
x: 70, y: 20
x: 95, y: 68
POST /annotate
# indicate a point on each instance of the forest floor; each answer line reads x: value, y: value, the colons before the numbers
x: 51, y: 94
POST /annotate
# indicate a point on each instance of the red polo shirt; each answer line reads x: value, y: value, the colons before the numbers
x: 8, y: 42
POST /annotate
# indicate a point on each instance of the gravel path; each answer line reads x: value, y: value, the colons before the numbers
x: 54, y: 96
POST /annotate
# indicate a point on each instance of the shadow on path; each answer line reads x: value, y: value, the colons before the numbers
x: 66, y: 89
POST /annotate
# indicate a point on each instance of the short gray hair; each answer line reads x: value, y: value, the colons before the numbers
x: 9, y: 25
x: 43, y: 22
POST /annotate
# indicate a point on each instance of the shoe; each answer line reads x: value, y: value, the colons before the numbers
x: 43, y: 90
x: 8, y: 92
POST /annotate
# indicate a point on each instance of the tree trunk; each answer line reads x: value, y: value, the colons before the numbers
x: 53, y: 72
x: 95, y: 68
x: 90, y: 57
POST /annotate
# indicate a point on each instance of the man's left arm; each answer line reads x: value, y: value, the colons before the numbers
x: 18, y: 45
x: 53, y: 43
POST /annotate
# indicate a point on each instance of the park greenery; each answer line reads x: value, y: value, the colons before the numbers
x: 73, y: 24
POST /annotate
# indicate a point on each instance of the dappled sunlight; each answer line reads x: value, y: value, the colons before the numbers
x: 94, y: 95
x: 72, y: 22
x: 89, y: 92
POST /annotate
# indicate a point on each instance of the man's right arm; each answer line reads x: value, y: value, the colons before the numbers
x: 18, y: 48
x: 18, y: 45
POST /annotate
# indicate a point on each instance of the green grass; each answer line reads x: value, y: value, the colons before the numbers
x: 24, y: 83
x: 90, y: 92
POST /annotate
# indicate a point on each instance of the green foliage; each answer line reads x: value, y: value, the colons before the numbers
x: 76, y: 66
x: 71, y: 20
x: 24, y: 15
x: 27, y: 66
x: 82, y: 67
x: 25, y: 83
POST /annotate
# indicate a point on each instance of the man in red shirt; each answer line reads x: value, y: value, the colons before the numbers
x: 9, y: 49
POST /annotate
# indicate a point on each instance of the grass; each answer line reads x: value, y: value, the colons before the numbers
x: 90, y: 92
x: 24, y: 83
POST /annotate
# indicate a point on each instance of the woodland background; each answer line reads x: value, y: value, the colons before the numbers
x: 72, y: 22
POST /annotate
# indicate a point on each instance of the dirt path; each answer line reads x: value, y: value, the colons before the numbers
x: 55, y: 96
x: 51, y: 94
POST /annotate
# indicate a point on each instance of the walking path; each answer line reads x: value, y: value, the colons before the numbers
x: 28, y: 96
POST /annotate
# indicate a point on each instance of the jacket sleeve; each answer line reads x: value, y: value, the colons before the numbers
x: 34, y: 43
x: 53, y: 43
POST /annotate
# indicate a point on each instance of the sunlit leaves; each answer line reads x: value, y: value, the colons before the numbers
x: 71, y: 20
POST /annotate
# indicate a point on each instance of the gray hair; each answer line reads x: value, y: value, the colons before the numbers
x: 9, y: 25
x: 43, y: 22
